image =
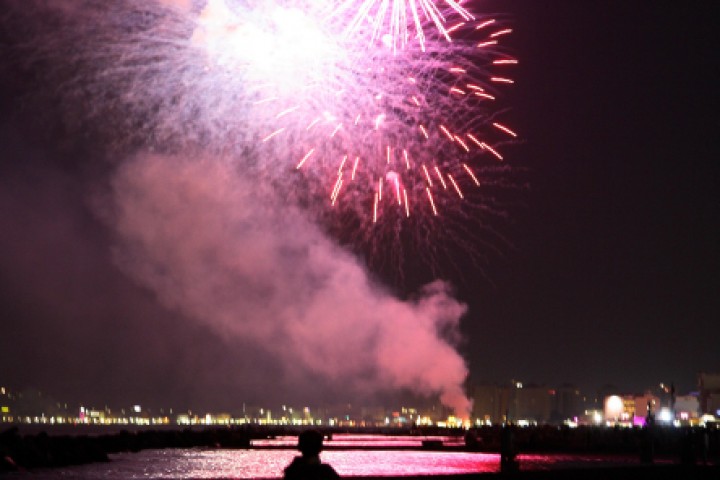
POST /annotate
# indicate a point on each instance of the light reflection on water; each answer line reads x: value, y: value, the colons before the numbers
x: 363, y: 455
x: 246, y: 464
x: 354, y: 440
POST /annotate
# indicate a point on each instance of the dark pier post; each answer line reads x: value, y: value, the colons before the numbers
x: 508, y: 462
x: 647, y: 447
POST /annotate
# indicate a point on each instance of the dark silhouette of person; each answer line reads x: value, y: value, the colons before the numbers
x: 308, y: 466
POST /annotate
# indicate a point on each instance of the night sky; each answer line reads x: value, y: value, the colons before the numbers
x: 610, y: 273
x: 614, y: 276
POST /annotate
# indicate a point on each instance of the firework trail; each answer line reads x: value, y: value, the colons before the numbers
x: 392, y: 23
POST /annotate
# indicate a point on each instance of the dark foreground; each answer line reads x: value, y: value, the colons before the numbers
x: 661, y: 454
x: 640, y: 472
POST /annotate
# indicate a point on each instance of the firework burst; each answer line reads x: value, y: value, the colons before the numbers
x: 386, y: 141
x: 374, y: 139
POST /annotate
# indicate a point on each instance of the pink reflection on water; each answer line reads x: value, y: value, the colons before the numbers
x: 388, y: 462
x: 176, y: 464
x: 364, y: 441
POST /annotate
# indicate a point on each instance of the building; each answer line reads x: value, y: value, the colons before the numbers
x: 526, y: 403
x: 619, y: 410
x: 532, y: 404
x: 709, y: 384
x: 630, y: 409
x: 490, y: 403
x: 645, y: 405
x: 568, y: 404
x: 687, y: 407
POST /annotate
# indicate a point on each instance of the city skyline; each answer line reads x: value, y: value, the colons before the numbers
x: 608, y: 271
x: 590, y: 398
x: 523, y: 404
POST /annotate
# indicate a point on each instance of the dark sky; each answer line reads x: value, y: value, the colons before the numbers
x: 611, y: 274
x: 615, y: 274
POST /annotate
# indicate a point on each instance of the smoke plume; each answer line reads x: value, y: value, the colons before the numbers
x: 222, y: 250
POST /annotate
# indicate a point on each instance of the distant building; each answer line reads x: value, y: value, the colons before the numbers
x: 373, y: 415
x: 687, y: 407
x: 630, y: 409
x: 644, y: 405
x: 567, y: 404
x: 709, y: 384
x: 533, y: 403
x: 617, y: 409
x: 490, y: 403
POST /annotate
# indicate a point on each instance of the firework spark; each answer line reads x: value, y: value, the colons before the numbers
x: 393, y: 22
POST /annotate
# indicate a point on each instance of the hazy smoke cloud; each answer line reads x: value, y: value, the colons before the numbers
x: 223, y: 251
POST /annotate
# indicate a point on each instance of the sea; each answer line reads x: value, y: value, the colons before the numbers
x: 366, y: 456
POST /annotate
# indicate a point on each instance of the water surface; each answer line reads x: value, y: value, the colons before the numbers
x: 269, y: 463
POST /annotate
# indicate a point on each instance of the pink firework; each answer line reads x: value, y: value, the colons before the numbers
x: 395, y: 23
x: 376, y: 138
x: 390, y: 136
